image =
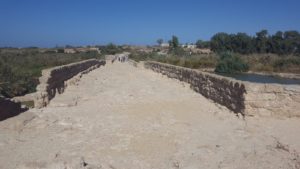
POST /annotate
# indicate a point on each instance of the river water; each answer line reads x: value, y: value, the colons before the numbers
x: 256, y: 78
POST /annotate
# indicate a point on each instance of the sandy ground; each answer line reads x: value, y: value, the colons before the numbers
x: 122, y: 117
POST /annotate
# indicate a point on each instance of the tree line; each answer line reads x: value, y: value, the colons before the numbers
x: 231, y: 52
x: 281, y: 43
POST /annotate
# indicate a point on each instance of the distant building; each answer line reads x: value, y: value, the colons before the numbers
x: 81, y: 50
x: 145, y: 50
x: 165, y: 45
x: 202, y: 51
x: 189, y: 46
x: 94, y: 49
x: 164, y: 53
x: 69, y: 51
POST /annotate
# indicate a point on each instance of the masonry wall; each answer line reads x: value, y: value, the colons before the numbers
x: 223, y: 91
x: 54, y: 80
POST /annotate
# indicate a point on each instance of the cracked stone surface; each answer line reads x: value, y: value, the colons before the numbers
x: 123, y: 117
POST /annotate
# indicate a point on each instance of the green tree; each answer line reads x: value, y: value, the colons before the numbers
x: 221, y: 42
x: 110, y: 49
x: 202, y: 44
x: 174, y: 42
x: 298, y: 50
x: 160, y: 41
x: 199, y: 43
x: 261, y: 41
x: 291, y: 42
x: 277, y: 43
x: 241, y: 43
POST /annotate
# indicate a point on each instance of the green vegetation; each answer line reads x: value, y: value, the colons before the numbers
x: 291, y: 64
x: 230, y: 63
x: 236, y: 53
x: 202, y: 44
x: 110, y: 49
x: 280, y: 52
x: 160, y: 41
x: 174, y: 43
x: 272, y: 63
x: 226, y: 62
x: 20, y: 69
x: 190, y: 61
x: 281, y: 43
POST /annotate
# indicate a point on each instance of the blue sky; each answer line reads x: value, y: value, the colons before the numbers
x: 46, y: 23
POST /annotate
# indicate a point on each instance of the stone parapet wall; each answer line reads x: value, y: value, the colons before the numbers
x: 250, y: 99
x: 55, y: 80
x: 221, y: 90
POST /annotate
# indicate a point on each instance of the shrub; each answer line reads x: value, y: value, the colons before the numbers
x: 287, y: 65
x: 110, y: 49
x: 178, y: 52
x: 173, y: 60
x: 230, y: 63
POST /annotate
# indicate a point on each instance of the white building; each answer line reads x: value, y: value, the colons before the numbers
x: 165, y: 45
x: 69, y: 51
x: 189, y: 46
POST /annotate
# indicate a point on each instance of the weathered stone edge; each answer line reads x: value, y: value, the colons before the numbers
x: 53, y: 81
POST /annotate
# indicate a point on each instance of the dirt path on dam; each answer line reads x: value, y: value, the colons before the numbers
x: 123, y: 117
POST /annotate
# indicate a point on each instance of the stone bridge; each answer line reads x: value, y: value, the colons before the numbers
x: 121, y: 116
